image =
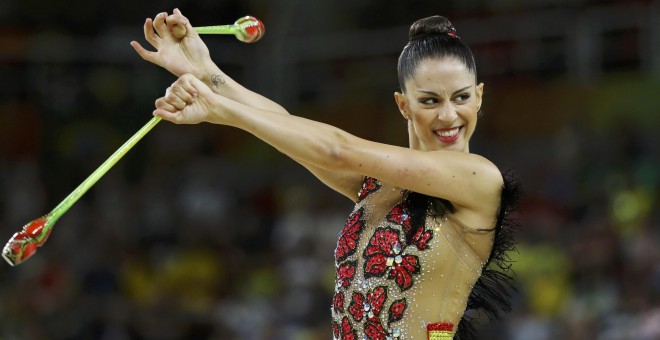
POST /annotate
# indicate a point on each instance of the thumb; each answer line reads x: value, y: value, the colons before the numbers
x: 180, y: 25
x: 193, y: 85
x: 179, y: 31
x: 198, y: 85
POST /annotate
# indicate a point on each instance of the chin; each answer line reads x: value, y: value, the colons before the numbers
x: 448, y: 147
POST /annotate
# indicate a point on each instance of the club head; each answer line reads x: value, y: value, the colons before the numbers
x: 18, y: 249
x: 25, y: 242
x: 252, y: 29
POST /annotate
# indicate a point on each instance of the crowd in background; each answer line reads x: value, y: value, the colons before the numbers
x: 203, y: 232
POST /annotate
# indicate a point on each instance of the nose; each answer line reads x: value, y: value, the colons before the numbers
x: 447, y: 113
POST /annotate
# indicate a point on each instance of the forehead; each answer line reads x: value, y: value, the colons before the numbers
x: 445, y: 74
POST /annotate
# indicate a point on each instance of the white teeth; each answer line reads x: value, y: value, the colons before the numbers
x: 447, y: 133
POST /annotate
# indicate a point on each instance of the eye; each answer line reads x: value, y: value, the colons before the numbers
x: 462, y: 97
x: 428, y: 101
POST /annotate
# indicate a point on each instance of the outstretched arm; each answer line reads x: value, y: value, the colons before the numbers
x: 468, y: 181
x: 182, y: 53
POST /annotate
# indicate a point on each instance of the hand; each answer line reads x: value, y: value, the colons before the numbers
x: 187, y: 101
x: 176, y: 51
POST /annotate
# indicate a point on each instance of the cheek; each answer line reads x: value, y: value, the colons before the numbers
x: 422, y: 118
x: 470, y: 113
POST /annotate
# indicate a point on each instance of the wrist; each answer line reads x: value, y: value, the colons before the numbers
x: 213, y: 77
x: 219, y: 110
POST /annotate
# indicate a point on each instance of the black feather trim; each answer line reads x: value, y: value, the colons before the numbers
x: 492, y: 291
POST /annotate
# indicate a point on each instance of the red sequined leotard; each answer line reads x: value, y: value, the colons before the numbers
x: 395, y: 280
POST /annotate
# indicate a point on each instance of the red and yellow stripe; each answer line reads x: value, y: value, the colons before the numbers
x: 440, y: 331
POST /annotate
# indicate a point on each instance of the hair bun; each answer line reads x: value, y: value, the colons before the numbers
x: 432, y: 26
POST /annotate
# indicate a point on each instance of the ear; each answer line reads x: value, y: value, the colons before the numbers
x: 479, y: 93
x: 402, y: 103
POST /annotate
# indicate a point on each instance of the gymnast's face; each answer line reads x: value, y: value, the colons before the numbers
x: 440, y: 102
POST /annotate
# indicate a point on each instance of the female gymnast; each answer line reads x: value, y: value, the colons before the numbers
x: 428, y: 238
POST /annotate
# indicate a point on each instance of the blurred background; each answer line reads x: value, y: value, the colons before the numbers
x: 203, y: 232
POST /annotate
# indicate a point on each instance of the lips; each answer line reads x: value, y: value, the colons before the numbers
x: 448, y: 135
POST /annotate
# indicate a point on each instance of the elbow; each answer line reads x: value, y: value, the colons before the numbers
x: 338, y: 153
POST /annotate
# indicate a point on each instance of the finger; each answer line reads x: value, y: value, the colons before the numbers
x: 160, y: 26
x: 145, y: 54
x: 166, y: 111
x: 179, y: 17
x: 181, y: 24
x: 162, y: 104
x: 174, y: 117
x: 177, y: 24
x: 195, y: 81
x: 197, y: 84
x: 149, y: 33
x: 172, y: 97
x: 186, y: 81
x: 185, y: 91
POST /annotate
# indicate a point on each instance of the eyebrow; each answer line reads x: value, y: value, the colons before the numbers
x: 435, y: 94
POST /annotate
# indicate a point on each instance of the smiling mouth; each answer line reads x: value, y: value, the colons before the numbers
x: 448, y: 135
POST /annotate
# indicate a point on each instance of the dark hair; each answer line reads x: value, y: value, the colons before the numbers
x: 432, y: 37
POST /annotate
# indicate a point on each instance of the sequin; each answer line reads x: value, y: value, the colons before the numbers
x: 396, y: 249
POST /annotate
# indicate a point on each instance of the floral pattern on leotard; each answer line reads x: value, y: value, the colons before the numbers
x: 343, y: 331
x: 369, y: 185
x: 366, y: 309
x: 384, y: 254
x: 414, y: 234
x: 350, y: 235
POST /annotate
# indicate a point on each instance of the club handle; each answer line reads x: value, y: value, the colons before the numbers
x: 220, y: 29
x: 61, y: 208
x: 180, y: 31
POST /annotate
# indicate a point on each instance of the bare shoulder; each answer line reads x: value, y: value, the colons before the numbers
x: 478, y: 178
x: 483, y: 187
x: 490, y: 178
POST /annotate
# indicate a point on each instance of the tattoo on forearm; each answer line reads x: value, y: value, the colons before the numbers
x: 217, y: 80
